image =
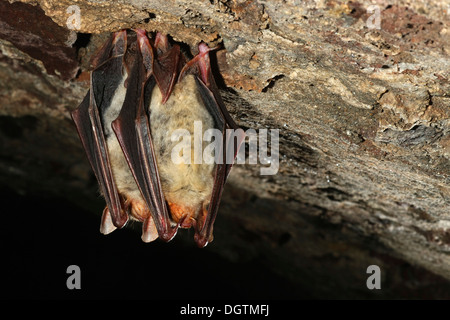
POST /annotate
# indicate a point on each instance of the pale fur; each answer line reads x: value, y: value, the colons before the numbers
x: 123, y: 177
x: 188, y: 185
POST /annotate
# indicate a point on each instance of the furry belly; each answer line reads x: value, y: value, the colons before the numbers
x: 188, y: 186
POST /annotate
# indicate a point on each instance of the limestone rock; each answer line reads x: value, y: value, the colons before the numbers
x: 361, y: 102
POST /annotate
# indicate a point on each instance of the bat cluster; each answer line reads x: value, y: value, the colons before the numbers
x: 141, y: 91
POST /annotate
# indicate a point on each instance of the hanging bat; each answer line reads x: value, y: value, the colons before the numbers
x: 140, y: 94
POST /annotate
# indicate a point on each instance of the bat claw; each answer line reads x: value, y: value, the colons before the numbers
x: 168, y: 235
x: 201, y: 237
x: 200, y: 240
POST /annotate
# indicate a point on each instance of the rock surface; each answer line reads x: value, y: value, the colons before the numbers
x: 362, y: 107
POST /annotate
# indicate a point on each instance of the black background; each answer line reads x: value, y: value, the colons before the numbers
x: 41, y: 237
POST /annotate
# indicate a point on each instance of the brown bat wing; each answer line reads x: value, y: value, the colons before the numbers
x: 228, y: 152
x: 132, y: 129
x: 105, y: 79
x: 165, y: 71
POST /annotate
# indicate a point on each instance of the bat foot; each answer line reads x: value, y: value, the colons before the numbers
x: 201, y: 238
x: 169, y: 234
x: 182, y: 215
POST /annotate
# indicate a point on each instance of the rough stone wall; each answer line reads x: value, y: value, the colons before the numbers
x: 362, y: 109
